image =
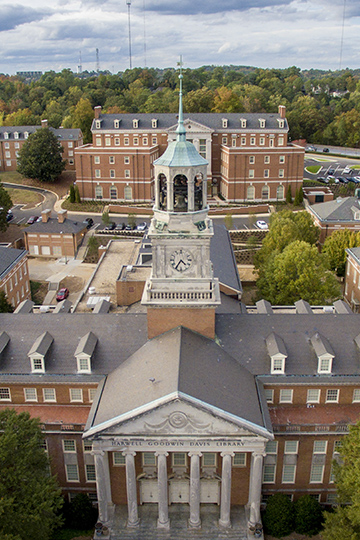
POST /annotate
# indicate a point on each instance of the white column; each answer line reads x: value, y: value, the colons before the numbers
x: 255, y: 487
x: 163, y: 518
x: 102, y: 483
x: 133, y: 517
x: 169, y: 194
x: 225, y: 503
x: 195, y: 521
x: 157, y: 192
x: 190, y: 194
x: 204, y: 192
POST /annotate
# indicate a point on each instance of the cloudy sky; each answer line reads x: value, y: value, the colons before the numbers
x: 43, y: 34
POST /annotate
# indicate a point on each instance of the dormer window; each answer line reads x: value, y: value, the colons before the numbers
x: 281, y: 123
x: 324, y: 353
x: 243, y: 122
x: 154, y: 123
x: 356, y: 213
x: 116, y: 124
x: 84, y: 352
x: 6, y: 135
x: 277, y: 352
x: 98, y: 124
x: 135, y: 123
x: 224, y: 123
x: 262, y: 122
x: 16, y: 135
x: 38, y: 352
x: 26, y: 134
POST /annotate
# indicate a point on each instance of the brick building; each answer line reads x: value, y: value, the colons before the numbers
x: 14, y: 275
x: 249, y: 156
x: 340, y: 213
x: 352, y: 278
x: 13, y: 137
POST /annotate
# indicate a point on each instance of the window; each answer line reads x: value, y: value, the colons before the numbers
x: 281, y: 123
x: 269, y: 395
x: 266, y: 160
x: 252, y: 141
x: 126, y: 141
x: 136, y: 141
x: 70, y: 144
x: 16, y: 278
x: 71, y: 162
x: 6, y: 135
x: 107, y: 141
x: 288, y: 476
x: 281, y: 159
x: 116, y: 124
x: 251, y: 160
x: 243, y: 141
x: 324, y: 365
x: 76, y: 394
x: 239, y: 459
x: 127, y: 193
x: 320, y: 447
x: 291, y: 447
x: 97, y: 173
x: 49, y: 394
x: 178, y: 459
x: 277, y: 365
x: 262, y: 123
x: 209, y: 459
x: 113, y: 193
x: 84, y: 365
x: 154, y: 141
x: 127, y: 173
x: 98, y: 124
x: 126, y: 160
x: 87, y: 446
x: 271, y: 143
x: 154, y: 123
x: 37, y: 364
x: 148, y: 459
x: 265, y: 193
x: 30, y: 394
x: 26, y: 134
x: 202, y: 148
x: 112, y: 173
x: 224, y: 140
x: 286, y: 395
x: 331, y: 498
x: 280, y: 192
x: 43, y: 445
x: 243, y: 122
x: 233, y: 142
x: 332, y: 395
x: 271, y: 447
x: 356, y: 395
x: 98, y: 192
x: 98, y: 141
x: 281, y: 173
x: 72, y: 472
x: 224, y: 123
x: 251, y: 173
x: 92, y: 393
x: 266, y: 173
x: 69, y: 446
x: 17, y: 145
x: 313, y: 395
x: 111, y: 160
x: 317, y: 473
x: 269, y: 473
x: 281, y: 141
x: 118, y: 458
x: 262, y: 141
x: 135, y: 123
x: 7, y: 154
x: 250, y: 193
x: 145, y: 141
x: 90, y: 472
x: 117, y: 141
x: 5, y: 394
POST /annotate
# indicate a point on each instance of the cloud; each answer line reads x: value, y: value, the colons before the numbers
x: 190, y: 7
x: 13, y: 15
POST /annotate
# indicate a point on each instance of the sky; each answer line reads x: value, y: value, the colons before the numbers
x: 39, y: 35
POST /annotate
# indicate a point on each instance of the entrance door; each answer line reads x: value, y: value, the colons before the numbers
x: 179, y: 491
x: 149, y: 490
x: 210, y: 490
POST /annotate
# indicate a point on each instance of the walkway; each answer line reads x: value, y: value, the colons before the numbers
x: 179, y: 514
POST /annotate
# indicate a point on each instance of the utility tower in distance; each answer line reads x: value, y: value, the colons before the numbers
x: 79, y: 68
x: 128, y: 2
x: 97, y: 62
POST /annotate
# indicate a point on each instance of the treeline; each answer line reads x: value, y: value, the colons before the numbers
x: 322, y: 107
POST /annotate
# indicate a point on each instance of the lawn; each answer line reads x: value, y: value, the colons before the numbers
x: 60, y: 186
x: 25, y: 196
x: 313, y: 169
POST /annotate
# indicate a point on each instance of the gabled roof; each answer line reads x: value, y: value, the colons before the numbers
x: 52, y: 226
x: 321, y: 345
x: 41, y: 344
x: 87, y: 344
x: 338, y: 210
x: 179, y: 363
x: 9, y: 257
x: 60, y: 133
x: 275, y: 345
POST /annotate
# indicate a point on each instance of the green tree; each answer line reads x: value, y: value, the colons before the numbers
x: 72, y: 193
x: 29, y: 497
x: 344, y: 522
x: 308, y: 516
x: 298, y: 272
x: 83, y: 117
x: 132, y: 220
x: 229, y: 222
x: 105, y: 218
x: 40, y: 156
x: 5, y: 205
x: 5, y: 306
x: 278, y: 518
x: 335, y: 246
x: 77, y: 194
x: 289, y: 196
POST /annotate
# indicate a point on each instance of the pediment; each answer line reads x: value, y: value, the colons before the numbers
x: 180, y: 418
x: 192, y: 127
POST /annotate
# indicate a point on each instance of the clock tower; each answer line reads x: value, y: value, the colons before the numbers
x: 181, y: 289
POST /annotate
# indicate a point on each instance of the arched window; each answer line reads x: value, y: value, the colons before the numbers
x: 127, y: 193
x: 98, y: 192
x: 250, y: 193
x: 280, y: 192
x: 113, y: 192
x: 180, y: 193
x: 198, y: 194
x: 162, y: 191
x: 265, y: 193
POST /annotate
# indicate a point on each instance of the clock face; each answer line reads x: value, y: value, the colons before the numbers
x: 181, y: 260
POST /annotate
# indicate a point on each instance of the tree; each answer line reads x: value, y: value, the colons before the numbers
x: 41, y: 156
x: 229, y: 222
x: 105, y: 218
x: 289, y: 196
x: 83, y: 117
x: 5, y: 205
x: 308, y: 516
x: 335, y: 246
x: 298, y: 272
x: 29, y: 497
x: 77, y: 194
x: 72, y: 193
x: 279, y: 515
x: 344, y: 522
x: 132, y: 220
x: 5, y: 306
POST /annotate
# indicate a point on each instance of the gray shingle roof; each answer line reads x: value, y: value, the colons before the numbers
x: 275, y: 345
x: 337, y: 210
x: 9, y: 257
x: 53, y: 226
x: 87, y: 344
x: 321, y: 345
x: 41, y: 345
x: 65, y: 134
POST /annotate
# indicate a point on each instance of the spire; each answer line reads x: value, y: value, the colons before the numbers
x: 180, y: 130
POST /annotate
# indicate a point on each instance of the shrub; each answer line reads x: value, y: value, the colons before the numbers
x: 80, y: 513
x: 72, y: 194
x: 278, y: 518
x: 308, y: 516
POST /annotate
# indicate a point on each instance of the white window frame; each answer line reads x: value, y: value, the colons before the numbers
x: 119, y: 459
x: 37, y: 364
x: 281, y: 159
x: 335, y: 392
x: 90, y: 472
x: 288, y: 469
x: 183, y: 464
x: 269, y: 395
x: 73, y: 392
x: 112, y: 173
x: 97, y: 160
x: 291, y: 447
x: 251, y: 160
x: 317, y: 473
x: 5, y: 394
x: 97, y: 173
x: 281, y: 141
x: 30, y: 394
x: 252, y: 141
x: 107, y: 140
x: 71, y: 448
x: 251, y: 173
x: 239, y: 459
x: 269, y: 473
x: 127, y: 173
x: 286, y: 395
x: 111, y: 160
x: 209, y: 459
x: 320, y: 447
x: 356, y: 395
x: 313, y: 395
x: 92, y: 393
x: 271, y: 448
x: 46, y: 393
x: 148, y: 459
x: 324, y: 365
x: 72, y: 472
x: 266, y: 160
x: 277, y: 365
x: 83, y: 364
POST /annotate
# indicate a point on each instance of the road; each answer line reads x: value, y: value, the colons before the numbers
x: 21, y: 216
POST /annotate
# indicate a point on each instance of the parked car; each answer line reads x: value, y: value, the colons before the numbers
x: 130, y: 227
x: 331, y: 171
x: 89, y: 222
x: 352, y: 179
x: 325, y: 150
x: 331, y: 178
x: 141, y: 226
x: 310, y: 149
x: 110, y: 227
x: 120, y: 227
x: 62, y: 294
x: 32, y: 219
x: 340, y: 180
x: 262, y: 224
x: 347, y: 170
x: 323, y: 180
x: 9, y: 215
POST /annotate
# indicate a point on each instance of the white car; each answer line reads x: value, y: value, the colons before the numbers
x: 346, y: 170
x: 262, y: 224
x: 142, y: 226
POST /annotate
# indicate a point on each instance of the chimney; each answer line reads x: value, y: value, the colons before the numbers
x: 97, y: 111
x: 44, y: 123
x: 62, y: 215
x: 282, y: 111
x: 45, y: 215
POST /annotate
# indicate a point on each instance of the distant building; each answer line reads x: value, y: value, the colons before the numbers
x: 29, y: 75
x: 249, y: 157
x: 13, y: 137
x: 14, y: 275
x: 341, y: 213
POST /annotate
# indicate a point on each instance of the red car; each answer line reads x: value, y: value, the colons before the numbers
x: 32, y: 220
x: 62, y: 294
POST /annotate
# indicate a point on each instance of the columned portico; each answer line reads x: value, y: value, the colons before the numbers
x: 102, y: 483
x: 195, y: 521
x: 255, y: 487
x: 163, y: 519
x: 133, y: 516
x: 225, y: 504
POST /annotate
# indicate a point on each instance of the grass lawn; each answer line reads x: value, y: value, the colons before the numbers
x: 354, y: 166
x: 60, y: 186
x: 25, y: 196
x: 313, y: 169
x: 85, y: 206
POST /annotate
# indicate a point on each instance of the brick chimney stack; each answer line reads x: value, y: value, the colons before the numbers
x: 45, y: 215
x: 44, y: 123
x: 97, y: 111
x: 282, y: 111
x: 62, y: 215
